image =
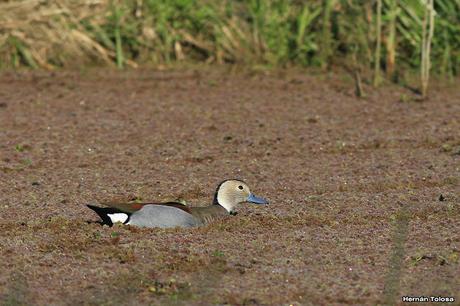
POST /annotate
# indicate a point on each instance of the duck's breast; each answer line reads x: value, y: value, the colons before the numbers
x: 162, y: 216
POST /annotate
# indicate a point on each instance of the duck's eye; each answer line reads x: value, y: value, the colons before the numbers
x: 240, y: 187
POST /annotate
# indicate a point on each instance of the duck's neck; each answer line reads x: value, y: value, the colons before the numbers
x: 221, y: 199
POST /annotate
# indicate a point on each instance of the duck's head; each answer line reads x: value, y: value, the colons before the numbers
x: 230, y: 193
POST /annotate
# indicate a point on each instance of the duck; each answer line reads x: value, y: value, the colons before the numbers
x: 228, y: 196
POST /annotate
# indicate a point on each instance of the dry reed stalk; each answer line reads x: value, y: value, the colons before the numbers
x: 391, y: 40
x: 379, y: 43
x: 427, y: 36
x: 326, y: 32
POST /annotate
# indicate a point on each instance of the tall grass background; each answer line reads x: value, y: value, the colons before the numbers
x: 383, y: 37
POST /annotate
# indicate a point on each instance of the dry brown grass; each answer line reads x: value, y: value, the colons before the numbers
x: 48, y: 33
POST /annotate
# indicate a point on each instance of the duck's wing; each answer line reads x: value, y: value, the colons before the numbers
x: 133, y: 207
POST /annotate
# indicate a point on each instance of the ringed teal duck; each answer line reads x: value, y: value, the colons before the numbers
x: 228, y: 195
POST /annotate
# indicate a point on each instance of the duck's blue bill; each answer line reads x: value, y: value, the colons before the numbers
x: 256, y: 200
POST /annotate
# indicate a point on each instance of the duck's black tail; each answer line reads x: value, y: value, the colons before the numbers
x: 107, y: 214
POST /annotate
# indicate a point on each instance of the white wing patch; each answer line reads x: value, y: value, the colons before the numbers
x: 118, y: 217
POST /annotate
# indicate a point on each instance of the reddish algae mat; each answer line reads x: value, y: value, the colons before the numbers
x: 364, y: 193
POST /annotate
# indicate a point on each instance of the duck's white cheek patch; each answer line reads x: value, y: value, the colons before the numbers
x: 118, y: 217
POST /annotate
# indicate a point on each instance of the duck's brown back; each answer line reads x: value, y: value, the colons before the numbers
x: 133, y: 207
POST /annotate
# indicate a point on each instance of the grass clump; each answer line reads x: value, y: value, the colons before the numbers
x: 388, y: 35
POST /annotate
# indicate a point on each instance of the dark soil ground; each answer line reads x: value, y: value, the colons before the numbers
x: 365, y: 202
